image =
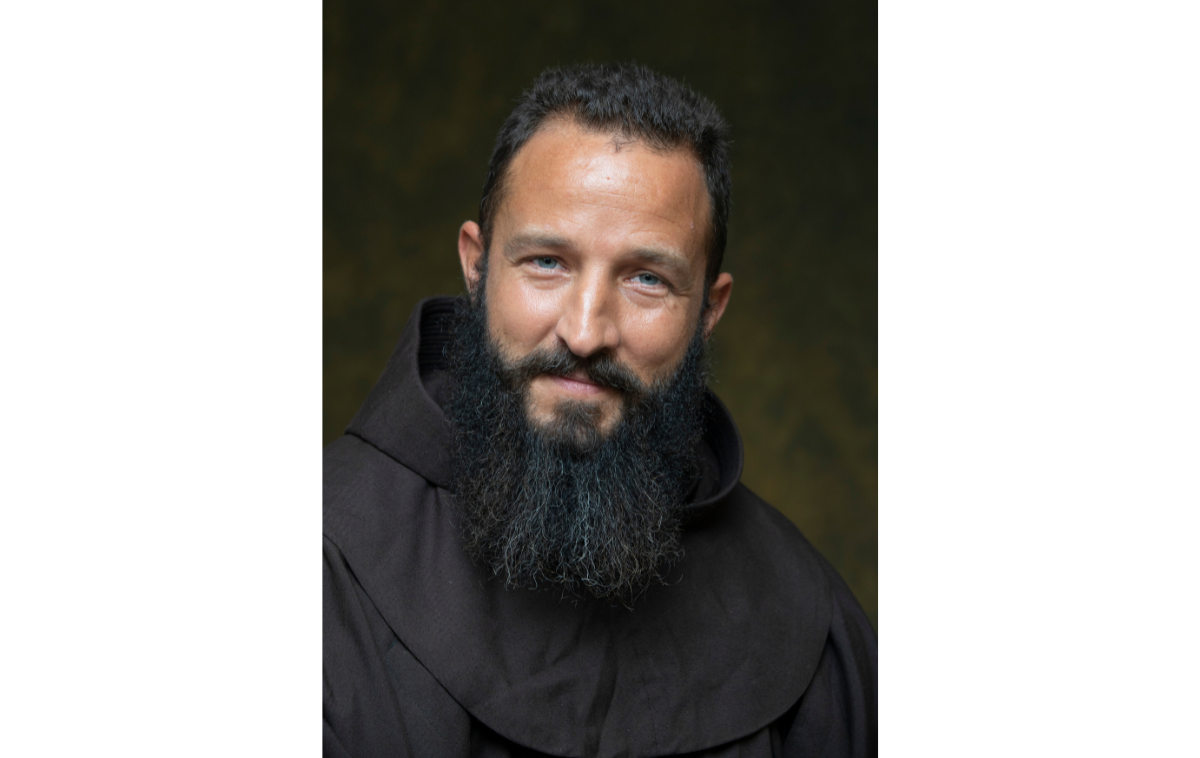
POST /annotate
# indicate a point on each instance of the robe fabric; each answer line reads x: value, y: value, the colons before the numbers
x: 754, y: 646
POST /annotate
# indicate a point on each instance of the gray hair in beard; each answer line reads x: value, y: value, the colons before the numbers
x: 563, y: 506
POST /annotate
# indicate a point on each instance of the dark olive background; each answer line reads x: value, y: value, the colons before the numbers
x: 413, y: 96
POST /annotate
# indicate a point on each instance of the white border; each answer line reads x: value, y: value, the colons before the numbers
x: 1039, y: 375
x: 160, y: 298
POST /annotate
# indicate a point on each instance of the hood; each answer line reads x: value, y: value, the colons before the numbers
x: 722, y: 649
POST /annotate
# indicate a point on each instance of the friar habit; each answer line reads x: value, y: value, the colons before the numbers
x: 754, y: 646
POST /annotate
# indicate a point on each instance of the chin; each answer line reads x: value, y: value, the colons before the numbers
x: 578, y: 424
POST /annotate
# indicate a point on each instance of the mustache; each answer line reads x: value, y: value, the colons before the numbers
x: 602, y: 369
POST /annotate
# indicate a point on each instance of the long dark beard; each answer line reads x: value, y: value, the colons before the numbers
x: 566, y: 506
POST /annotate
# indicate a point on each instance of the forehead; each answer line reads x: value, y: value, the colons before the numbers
x: 566, y: 180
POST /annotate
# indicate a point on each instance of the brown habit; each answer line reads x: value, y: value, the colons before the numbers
x: 755, y: 647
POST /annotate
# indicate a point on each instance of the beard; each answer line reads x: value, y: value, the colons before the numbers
x: 561, y: 505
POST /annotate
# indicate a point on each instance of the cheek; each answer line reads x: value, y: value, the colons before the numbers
x: 658, y: 344
x: 517, y: 318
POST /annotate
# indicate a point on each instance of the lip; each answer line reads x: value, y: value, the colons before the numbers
x: 577, y: 385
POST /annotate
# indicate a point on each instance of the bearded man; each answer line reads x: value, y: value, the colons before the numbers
x: 536, y: 540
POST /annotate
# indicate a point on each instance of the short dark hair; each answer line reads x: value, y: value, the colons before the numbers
x: 631, y: 101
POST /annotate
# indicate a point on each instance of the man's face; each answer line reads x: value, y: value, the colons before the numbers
x: 598, y: 247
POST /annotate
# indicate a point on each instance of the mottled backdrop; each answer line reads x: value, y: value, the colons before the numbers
x: 414, y: 94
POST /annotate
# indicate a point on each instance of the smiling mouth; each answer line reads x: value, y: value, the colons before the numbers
x: 578, y: 384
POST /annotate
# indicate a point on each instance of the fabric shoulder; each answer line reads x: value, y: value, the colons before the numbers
x: 838, y: 714
x: 363, y: 487
x: 761, y: 597
x: 378, y: 700
x: 838, y: 709
x: 752, y: 529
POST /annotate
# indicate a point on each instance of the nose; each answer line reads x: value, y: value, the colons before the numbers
x: 588, y: 322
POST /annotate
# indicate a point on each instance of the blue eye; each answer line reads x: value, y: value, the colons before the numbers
x: 648, y: 279
x: 546, y: 262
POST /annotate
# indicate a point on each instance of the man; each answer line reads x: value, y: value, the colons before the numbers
x: 536, y: 541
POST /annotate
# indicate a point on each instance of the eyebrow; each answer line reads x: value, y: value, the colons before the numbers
x: 517, y: 244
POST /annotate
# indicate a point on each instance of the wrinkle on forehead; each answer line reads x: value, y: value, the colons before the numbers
x: 691, y: 225
x: 588, y: 168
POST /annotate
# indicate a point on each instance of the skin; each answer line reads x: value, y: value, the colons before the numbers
x: 598, y: 246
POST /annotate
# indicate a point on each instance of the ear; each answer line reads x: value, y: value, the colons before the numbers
x: 470, y: 253
x: 718, y: 298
